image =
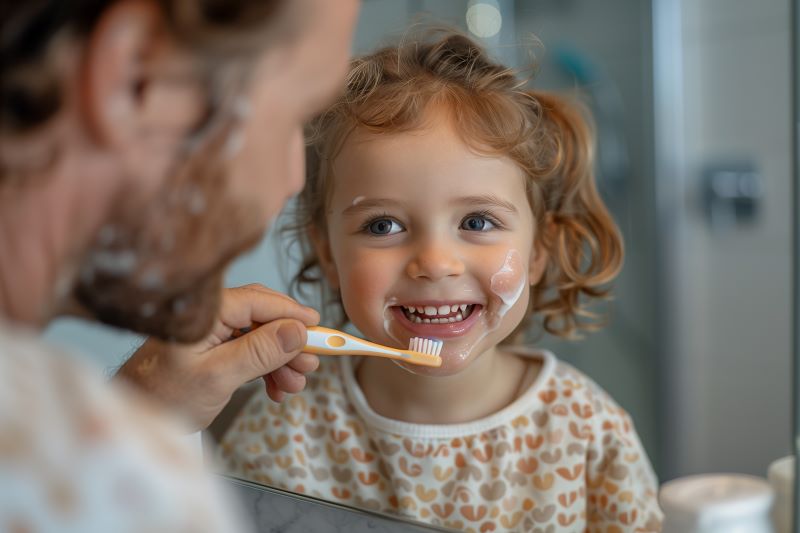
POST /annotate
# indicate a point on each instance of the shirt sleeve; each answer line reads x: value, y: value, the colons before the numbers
x: 78, y: 454
x: 622, y: 489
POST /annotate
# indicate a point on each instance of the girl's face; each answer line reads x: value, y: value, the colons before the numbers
x: 428, y: 239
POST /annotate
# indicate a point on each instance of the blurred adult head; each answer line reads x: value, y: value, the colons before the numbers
x: 146, y: 143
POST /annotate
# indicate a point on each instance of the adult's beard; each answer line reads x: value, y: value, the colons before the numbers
x: 159, y: 271
x: 185, y: 316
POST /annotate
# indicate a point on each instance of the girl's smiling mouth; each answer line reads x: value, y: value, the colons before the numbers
x: 437, y: 319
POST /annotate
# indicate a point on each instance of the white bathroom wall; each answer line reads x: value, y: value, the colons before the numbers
x: 732, y: 366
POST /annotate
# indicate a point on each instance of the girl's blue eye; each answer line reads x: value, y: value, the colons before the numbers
x: 384, y: 226
x: 477, y: 223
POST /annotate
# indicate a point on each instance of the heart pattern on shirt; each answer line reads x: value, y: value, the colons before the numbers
x: 572, y: 462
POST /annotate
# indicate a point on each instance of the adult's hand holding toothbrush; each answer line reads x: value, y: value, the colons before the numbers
x: 199, y: 379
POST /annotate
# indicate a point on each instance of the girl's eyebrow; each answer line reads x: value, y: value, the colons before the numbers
x: 487, y: 200
x: 482, y: 200
x: 369, y: 204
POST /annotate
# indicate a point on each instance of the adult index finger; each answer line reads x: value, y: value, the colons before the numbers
x: 244, y: 307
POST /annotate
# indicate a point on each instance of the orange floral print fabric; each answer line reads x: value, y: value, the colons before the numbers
x: 562, y: 457
x: 80, y: 454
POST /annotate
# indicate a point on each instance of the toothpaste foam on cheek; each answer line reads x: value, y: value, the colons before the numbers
x: 507, y: 284
x: 388, y: 319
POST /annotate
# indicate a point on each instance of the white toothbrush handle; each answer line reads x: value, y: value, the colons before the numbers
x: 324, y: 341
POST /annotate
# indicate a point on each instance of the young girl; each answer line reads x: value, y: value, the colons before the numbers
x: 449, y: 202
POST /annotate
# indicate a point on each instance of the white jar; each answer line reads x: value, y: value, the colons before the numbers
x: 781, y: 477
x: 717, y: 503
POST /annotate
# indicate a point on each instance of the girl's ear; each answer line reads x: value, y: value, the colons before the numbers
x: 323, y: 250
x: 539, y: 255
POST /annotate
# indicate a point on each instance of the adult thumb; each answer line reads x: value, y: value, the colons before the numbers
x: 267, y: 347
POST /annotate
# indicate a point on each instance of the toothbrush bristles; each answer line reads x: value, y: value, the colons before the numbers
x: 427, y: 346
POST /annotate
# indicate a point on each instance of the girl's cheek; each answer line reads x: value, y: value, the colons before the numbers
x: 506, y: 287
x: 364, y: 288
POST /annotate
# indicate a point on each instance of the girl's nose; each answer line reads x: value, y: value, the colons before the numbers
x: 435, y: 261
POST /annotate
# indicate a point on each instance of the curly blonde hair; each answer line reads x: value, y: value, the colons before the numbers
x: 548, y: 136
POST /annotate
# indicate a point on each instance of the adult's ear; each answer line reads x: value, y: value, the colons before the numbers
x: 322, y: 248
x: 137, y: 94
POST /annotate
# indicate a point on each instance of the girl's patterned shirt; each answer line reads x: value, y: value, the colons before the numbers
x: 562, y: 457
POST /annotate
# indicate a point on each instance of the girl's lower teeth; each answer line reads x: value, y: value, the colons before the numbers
x: 418, y: 320
x: 415, y: 318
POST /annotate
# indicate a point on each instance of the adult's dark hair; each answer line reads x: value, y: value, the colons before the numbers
x: 218, y: 32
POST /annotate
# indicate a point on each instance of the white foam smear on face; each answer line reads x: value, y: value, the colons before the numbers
x: 388, y: 318
x: 242, y: 108
x: 357, y: 200
x: 508, y: 283
x: 236, y: 138
x: 120, y: 262
x: 506, y: 286
x: 151, y: 279
x: 195, y: 200
x: 234, y: 143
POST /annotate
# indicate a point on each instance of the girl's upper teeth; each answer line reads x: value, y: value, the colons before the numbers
x: 433, y: 311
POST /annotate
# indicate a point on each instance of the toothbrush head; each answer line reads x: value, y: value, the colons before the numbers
x: 426, y: 346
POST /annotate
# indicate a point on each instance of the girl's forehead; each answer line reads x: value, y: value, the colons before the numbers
x: 423, y: 163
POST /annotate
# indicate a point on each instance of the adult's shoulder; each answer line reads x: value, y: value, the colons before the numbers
x: 115, y: 461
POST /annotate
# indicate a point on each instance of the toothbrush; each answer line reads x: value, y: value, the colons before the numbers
x: 325, y: 341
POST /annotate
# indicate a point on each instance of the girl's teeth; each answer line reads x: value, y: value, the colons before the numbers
x: 432, y: 315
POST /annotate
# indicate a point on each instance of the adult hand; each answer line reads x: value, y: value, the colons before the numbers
x: 198, y: 379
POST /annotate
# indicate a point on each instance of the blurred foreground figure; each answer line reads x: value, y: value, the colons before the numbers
x: 144, y: 144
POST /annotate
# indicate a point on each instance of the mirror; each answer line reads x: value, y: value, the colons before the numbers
x: 794, y: 514
x: 691, y: 107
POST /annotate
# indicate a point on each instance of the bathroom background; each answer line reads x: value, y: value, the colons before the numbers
x: 693, y: 106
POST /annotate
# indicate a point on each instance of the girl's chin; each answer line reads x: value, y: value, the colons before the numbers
x: 457, y: 355
x: 452, y: 363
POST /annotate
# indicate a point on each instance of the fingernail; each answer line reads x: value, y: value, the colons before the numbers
x: 314, y: 313
x: 290, y: 338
